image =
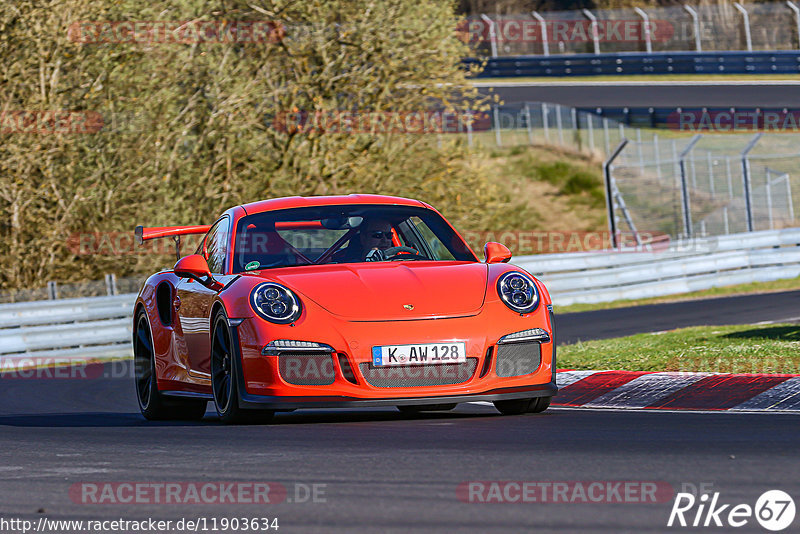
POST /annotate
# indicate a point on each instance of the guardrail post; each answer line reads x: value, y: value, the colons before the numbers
x: 748, y: 195
x: 696, y: 23
x: 746, y: 21
x: 612, y: 223
x: 685, y: 201
x: 646, y: 24
x: 111, y: 284
x: 595, y: 33
x: 492, y: 34
x: 543, y: 26
x: 796, y: 10
x: 52, y: 290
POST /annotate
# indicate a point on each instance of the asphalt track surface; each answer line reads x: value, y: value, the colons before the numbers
x: 387, y: 472
x: 662, y: 94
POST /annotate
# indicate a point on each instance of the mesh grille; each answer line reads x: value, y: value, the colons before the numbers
x: 304, y: 369
x: 516, y: 359
x: 418, y: 375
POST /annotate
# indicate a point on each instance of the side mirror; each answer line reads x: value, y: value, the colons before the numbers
x: 496, y: 253
x: 193, y: 266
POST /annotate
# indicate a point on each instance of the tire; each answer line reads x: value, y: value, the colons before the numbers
x: 414, y: 409
x: 153, y: 405
x: 224, y: 383
x: 539, y: 404
x: 513, y: 406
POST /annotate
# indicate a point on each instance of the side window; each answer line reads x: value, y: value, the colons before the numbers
x: 440, y: 251
x: 215, y: 246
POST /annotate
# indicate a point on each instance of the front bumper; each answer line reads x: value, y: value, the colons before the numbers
x: 262, y: 385
x: 277, y: 403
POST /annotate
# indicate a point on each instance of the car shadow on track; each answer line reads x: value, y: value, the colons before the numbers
x: 120, y: 419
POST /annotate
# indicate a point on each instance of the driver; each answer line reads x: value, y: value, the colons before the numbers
x: 376, y: 234
x: 373, y: 234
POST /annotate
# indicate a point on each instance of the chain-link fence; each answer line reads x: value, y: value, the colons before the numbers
x: 666, y: 181
x: 709, y: 27
x: 110, y: 285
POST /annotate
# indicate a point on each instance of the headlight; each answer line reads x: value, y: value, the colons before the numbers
x: 275, y: 303
x: 518, y: 292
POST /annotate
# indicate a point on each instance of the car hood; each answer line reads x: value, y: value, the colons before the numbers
x: 391, y: 291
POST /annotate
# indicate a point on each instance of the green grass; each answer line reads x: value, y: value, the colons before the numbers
x: 645, y: 78
x: 725, y: 291
x: 722, y: 349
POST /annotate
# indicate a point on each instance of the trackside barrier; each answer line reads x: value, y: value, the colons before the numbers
x: 683, y: 267
x: 622, y: 63
x: 100, y: 327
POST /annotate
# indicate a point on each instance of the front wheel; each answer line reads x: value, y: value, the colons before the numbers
x: 539, y: 404
x: 223, y: 377
x: 513, y: 406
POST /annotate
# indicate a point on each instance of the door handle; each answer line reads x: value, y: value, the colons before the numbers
x: 176, y: 302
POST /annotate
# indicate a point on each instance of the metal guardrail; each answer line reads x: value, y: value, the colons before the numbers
x: 100, y: 327
x: 682, y: 267
x: 621, y: 63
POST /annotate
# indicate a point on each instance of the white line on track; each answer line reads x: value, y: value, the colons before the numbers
x: 631, y: 83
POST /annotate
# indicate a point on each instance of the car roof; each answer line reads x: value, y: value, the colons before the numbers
x: 338, y: 200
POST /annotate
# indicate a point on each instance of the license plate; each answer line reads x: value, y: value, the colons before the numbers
x: 419, y: 354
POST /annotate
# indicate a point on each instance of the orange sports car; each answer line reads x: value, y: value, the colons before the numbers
x: 342, y: 301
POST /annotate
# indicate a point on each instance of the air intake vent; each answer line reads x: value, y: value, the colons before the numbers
x: 516, y: 359
x: 418, y: 375
x: 304, y: 369
x: 347, y: 369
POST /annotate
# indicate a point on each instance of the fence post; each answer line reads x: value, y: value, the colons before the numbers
x: 111, y: 284
x: 52, y: 290
x: 576, y: 128
x: 559, y: 125
x: 768, y: 191
x: 545, y: 122
x: 657, y: 155
x: 685, y: 201
x: 646, y: 23
x: 711, y: 188
x: 595, y: 33
x: 527, y: 109
x: 496, y: 121
x: 469, y: 129
x: 696, y: 23
x: 730, y: 176
x: 543, y: 26
x: 796, y: 10
x: 725, y: 219
x: 590, y: 127
x: 492, y: 34
x: 789, y: 196
x: 746, y: 21
x: 605, y: 132
x: 748, y: 196
x: 612, y: 223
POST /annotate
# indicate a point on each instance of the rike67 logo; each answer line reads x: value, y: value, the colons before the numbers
x: 774, y: 510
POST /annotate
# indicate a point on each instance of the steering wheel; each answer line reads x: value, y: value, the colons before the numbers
x: 403, y: 253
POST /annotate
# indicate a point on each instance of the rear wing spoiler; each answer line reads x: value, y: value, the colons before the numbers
x: 143, y: 234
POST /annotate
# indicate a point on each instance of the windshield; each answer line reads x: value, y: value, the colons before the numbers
x: 344, y: 234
